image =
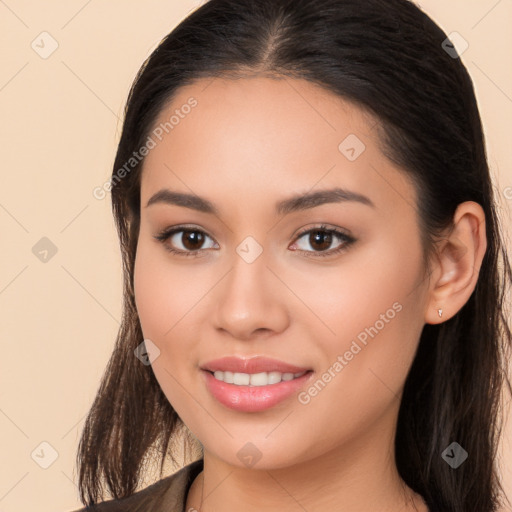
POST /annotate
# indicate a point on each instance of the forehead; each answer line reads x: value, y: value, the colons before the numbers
x: 264, y: 106
x: 259, y: 135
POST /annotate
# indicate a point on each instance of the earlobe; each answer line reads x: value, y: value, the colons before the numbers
x: 459, y: 257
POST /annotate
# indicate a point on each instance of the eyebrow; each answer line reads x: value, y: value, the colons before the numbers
x: 295, y: 203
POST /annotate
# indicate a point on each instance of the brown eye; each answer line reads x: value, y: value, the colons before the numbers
x: 321, y: 239
x: 192, y: 240
x: 183, y: 241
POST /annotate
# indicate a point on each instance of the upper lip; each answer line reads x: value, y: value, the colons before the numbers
x: 256, y: 364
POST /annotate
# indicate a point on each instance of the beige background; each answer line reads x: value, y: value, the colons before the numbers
x: 61, y: 118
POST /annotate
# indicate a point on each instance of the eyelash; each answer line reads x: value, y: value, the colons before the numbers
x: 348, y: 240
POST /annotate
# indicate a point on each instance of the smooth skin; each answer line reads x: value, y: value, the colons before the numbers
x: 248, y: 144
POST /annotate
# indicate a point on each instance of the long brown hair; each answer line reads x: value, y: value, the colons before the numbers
x: 387, y: 57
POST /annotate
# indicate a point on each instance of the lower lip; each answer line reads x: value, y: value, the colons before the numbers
x: 253, y: 398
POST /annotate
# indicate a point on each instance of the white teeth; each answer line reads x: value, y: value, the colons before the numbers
x: 273, y: 378
x: 255, y: 379
x: 241, y: 379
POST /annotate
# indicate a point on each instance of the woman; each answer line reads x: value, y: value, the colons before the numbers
x: 311, y: 253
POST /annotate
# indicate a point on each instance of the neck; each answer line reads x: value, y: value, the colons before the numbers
x: 359, y: 475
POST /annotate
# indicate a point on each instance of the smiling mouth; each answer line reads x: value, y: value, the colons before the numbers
x: 255, y: 379
x: 254, y: 392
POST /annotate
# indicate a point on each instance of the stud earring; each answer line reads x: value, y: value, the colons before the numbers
x: 440, y: 311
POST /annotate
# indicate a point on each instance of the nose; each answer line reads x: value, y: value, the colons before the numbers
x: 251, y: 301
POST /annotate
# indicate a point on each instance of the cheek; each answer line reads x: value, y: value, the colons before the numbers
x: 377, y: 320
x: 161, y: 300
x: 149, y: 292
x: 367, y: 283
x: 164, y: 291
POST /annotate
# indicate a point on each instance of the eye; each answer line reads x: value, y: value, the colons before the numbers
x: 322, y: 238
x: 191, y: 240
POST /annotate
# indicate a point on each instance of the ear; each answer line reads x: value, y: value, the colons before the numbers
x: 457, y: 263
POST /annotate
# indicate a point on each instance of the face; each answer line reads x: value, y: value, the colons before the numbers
x: 331, y: 285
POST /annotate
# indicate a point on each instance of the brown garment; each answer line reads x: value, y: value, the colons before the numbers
x: 167, y: 495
